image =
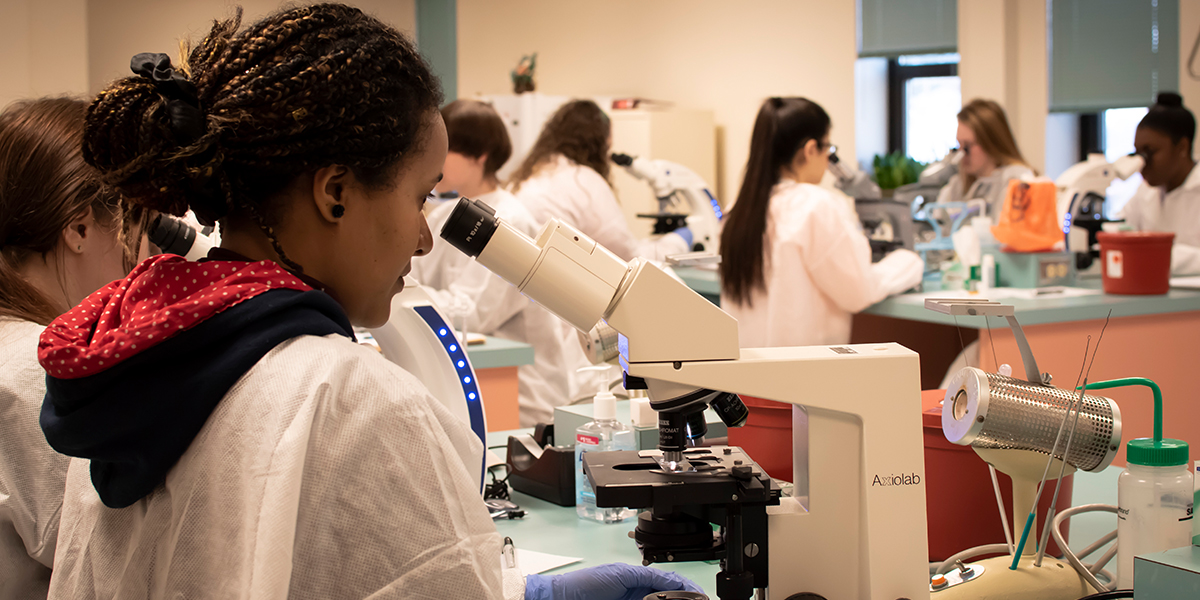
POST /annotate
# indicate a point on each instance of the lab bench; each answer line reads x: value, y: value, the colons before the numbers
x: 557, y: 530
x: 1148, y: 336
x: 495, y: 362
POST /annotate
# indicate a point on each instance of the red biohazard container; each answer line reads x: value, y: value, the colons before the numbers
x: 1136, y: 262
x: 767, y: 436
x: 959, y: 500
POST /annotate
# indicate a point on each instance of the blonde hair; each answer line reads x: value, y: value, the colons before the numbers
x: 992, y: 133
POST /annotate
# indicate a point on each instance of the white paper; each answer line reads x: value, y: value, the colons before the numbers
x: 1004, y: 293
x: 1192, y: 282
x: 532, y: 562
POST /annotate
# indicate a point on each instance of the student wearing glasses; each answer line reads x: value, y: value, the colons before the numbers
x: 990, y: 158
x: 795, y: 264
x: 1169, y: 198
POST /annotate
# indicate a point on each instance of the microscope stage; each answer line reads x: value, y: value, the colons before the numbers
x: 716, y: 475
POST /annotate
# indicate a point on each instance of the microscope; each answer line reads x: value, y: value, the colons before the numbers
x: 684, y: 200
x: 854, y: 528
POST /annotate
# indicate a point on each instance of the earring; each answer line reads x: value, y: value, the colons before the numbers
x: 338, y: 211
x: 79, y: 248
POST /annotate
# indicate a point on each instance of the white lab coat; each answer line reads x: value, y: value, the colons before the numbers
x: 1177, y: 211
x: 818, y: 272
x: 325, y: 472
x: 580, y: 197
x: 495, y: 307
x: 992, y: 188
x: 32, y: 474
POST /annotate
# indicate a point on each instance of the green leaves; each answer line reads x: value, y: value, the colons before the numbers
x: 895, y: 169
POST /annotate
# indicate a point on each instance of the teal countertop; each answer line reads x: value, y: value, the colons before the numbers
x: 555, y: 529
x: 497, y: 352
x: 1045, y: 309
x: 1030, y: 311
x: 704, y: 281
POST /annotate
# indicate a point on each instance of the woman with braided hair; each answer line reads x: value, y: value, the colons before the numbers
x: 239, y: 444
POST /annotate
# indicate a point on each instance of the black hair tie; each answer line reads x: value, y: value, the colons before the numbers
x: 183, y: 99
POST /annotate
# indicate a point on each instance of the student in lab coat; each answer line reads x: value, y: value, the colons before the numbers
x: 566, y: 175
x: 478, y: 147
x: 794, y: 261
x: 1169, y: 198
x: 990, y: 158
x: 61, y: 238
x: 240, y: 444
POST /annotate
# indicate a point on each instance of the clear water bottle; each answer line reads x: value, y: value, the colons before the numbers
x: 1154, y: 502
x: 602, y: 434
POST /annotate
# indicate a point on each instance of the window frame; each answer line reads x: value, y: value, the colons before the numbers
x: 898, y: 76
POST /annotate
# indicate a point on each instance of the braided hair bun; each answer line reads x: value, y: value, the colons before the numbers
x: 299, y: 90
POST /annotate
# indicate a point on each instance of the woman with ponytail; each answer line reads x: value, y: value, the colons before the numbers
x: 62, y: 237
x: 794, y: 262
x: 1169, y: 198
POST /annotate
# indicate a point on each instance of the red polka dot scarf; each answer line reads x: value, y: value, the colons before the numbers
x: 163, y: 296
x: 136, y: 369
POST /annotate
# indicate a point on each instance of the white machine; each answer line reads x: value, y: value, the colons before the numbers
x: 419, y: 338
x: 680, y: 192
x: 1081, y: 192
x: 1016, y: 426
x: 855, y: 526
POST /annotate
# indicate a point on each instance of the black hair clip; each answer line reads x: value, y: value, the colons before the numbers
x: 183, y: 99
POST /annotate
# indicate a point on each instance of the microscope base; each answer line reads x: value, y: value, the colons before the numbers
x: 1055, y: 580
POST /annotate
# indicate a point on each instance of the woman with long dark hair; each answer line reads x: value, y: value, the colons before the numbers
x: 566, y: 176
x: 794, y: 262
x: 239, y: 443
x: 63, y: 235
x: 1169, y: 198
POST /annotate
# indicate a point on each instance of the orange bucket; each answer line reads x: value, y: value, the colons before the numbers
x: 1136, y: 262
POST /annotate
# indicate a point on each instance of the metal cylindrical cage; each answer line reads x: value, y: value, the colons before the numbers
x: 987, y: 410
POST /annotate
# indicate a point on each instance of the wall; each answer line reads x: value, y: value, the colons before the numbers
x: 712, y: 54
x: 1002, y: 45
x: 870, y: 111
x: 1189, y: 29
x: 43, y: 51
x: 118, y: 29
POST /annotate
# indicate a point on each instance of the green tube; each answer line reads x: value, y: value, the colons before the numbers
x: 1132, y: 381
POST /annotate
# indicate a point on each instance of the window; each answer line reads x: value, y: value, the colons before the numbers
x: 924, y: 97
x: 1117, y: 138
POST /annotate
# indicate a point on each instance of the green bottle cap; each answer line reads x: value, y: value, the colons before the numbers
x: 1149, y: 453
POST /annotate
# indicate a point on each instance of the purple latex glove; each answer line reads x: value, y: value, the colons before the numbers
x: 615, y: 581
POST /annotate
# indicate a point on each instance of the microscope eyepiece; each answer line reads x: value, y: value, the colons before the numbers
x: 470, y: 226
x: 171, y: 235
x: 622, y: 160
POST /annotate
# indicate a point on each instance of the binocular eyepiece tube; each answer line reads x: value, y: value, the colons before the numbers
x: 563, y: 270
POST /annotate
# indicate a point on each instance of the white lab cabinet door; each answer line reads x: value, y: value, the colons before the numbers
x: 684, y: 136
